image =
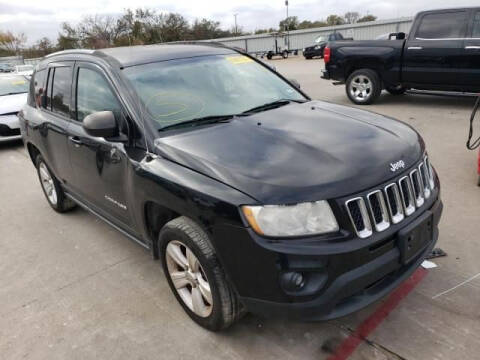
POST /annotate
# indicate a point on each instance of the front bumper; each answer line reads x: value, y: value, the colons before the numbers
x: 9, y: 128
x: 357, y: 287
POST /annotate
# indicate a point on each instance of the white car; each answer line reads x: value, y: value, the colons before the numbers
x: 13, y: 95
x: 26, y: 70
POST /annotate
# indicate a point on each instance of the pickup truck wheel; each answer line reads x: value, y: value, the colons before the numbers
x: 195, y: 276
x: 396, y: 91
x: 363, y: 87
x: 51, y: 188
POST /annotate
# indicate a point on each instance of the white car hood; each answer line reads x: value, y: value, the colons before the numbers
x: 12, y: 103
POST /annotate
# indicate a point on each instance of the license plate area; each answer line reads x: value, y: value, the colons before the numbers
x: 414, y: 238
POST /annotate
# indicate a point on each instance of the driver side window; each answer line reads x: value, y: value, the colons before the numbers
x: 94, y: 94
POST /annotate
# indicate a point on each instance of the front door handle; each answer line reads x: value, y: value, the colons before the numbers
x: 471, y: 47
x: 76, y: 140
x: 415, y: 48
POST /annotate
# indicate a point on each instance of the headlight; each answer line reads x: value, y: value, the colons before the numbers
x: 291, y: 220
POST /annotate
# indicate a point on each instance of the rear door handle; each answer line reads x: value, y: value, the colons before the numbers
x: 471, y: 47
x: 76, y: 140
x: 415, y: 48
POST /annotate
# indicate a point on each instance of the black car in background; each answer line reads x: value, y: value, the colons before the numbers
x: 320, y: 43
x: 255, y: 197
x: 441, y: 52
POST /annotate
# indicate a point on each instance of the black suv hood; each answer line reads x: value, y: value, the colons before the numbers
x: 298, y: 152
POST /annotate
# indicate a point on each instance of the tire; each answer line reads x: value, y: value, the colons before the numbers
x: 269, y: 56
x: 51, y: 188
x: 285, y: 54
x: 185, y: 236
x: 363, y: 87
x: 478, y: 180
x: 396, y: 91
x: 308, y: 58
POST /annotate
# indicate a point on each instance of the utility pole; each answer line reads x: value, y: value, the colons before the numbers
x: 236, y: 29
x: 287, y: 27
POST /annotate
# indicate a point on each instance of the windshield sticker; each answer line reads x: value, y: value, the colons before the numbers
x: 19, y: 82
x: 236, y: 60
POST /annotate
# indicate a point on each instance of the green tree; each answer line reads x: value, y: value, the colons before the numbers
x: 335, y: 20
x: 11, y: 44
x: 367, y: 18
x: 288, y: 24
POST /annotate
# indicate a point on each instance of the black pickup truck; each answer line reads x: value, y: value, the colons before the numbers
x: 442, y: 52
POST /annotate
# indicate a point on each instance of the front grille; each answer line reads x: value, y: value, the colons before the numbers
x: 393, y: 203
x: 6, y: 131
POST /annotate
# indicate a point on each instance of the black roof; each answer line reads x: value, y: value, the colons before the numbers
x: 143, y: 54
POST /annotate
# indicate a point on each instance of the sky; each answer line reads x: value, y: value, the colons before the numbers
x: 37, y: 19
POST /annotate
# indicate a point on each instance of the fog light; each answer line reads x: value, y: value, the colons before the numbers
x: 292, y: 281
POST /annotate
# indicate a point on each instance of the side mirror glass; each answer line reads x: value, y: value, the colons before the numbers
x: 295, y: 83
x: 101, y: 124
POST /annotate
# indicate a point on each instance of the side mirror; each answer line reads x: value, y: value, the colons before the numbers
x: 101, y: 124
x: 295, y: 83
x: 398, y: 36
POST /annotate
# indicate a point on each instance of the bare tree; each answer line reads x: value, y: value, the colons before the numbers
x: 351, y: 17
x: 12, y: 44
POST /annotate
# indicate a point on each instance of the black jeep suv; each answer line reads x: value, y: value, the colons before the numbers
x: 254, y: 197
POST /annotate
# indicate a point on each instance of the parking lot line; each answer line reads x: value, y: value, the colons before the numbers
x: 348, y: 346
x: 456, y: 286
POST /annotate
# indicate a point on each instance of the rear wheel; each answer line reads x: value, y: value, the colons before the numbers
x: 396, y: 90
x: 51, y: 187
x: 285, y: 54
x: 195, y: 275
x: 363, y: 86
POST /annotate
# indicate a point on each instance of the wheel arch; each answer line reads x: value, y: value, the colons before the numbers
x: 33, y: 152
x: 156, y: 216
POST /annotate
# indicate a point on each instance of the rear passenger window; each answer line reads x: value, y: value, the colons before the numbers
x: 94, y: 94
x: 61, y: 90
x: 448, y: 25
x: 48, y: 95
x: 476, y: 25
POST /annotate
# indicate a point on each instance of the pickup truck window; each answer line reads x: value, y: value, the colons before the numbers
x: 448, y: 25
x: 476, y: 25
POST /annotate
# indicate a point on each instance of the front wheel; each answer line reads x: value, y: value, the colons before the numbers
x: 195, y: 275
x: 363, y: 86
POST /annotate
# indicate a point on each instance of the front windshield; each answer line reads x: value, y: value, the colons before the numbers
x: 180, y: 90
x: 320, y: 39
x: 13, y: 85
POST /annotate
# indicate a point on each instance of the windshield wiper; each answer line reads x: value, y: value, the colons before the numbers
x: 271, y: 105
x: 211, y: 119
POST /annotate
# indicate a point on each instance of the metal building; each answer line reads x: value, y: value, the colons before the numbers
x: 300, y: 39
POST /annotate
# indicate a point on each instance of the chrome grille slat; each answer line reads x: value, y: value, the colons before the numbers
x: 407, y: 195
x: 424, y: 177
x: 429, y: 169
x: 381, y: 208
x: 363, y: 227
x: 378, y: 210
x: 417, y: 187
x: 394, y: 202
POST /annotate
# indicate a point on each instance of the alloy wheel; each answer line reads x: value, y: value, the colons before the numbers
x: 188, y: 278
x: 47, y: 183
